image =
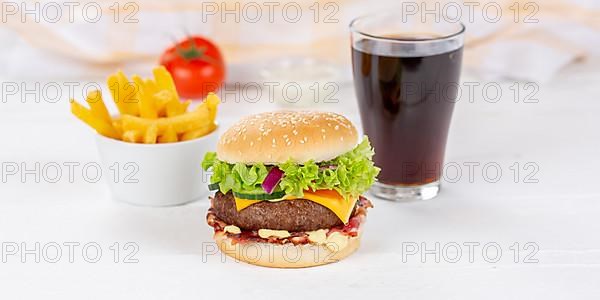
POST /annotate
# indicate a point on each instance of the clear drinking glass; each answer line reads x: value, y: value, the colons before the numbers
x: 406, y: 75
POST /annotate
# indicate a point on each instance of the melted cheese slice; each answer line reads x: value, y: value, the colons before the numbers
x: 328, y: 198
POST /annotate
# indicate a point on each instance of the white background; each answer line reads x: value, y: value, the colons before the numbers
x: 559, y: 214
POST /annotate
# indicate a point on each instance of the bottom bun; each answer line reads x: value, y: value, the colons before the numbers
x: 286, y: 255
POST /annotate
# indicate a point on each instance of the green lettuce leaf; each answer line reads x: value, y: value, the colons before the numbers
x: 350, y: 174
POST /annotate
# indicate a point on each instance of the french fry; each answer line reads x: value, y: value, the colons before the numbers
x: 162, y: 98
x: 196, y: 133
x: 115, y: 91
x: 175, y: 108
x: 102, y: 127
x: 169, y: 136
x: 94, y: 100
x: 118, y: 125
x: 186, y: 104
x: 124, y: 94
x: 150, y: 87
x: 150, y: 111
x: 131, y: 123
x: 132, y: 136
x: 151, y: 134
x: 212, y: 101
x: 182, y: 123
x: 164, y: 80
x: 130, y: 94
x: 146, y: 104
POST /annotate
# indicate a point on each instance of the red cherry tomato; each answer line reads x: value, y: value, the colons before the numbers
x: 196, y: 65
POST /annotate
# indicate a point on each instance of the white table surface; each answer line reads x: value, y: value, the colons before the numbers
x: 559, y: 214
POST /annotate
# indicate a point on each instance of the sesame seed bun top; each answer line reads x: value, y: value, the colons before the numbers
x: 276, y: 137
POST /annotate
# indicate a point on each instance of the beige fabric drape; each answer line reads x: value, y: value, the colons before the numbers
x: 106, y: 44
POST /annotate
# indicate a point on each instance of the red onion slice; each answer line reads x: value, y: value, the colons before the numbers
x: 329, y: 167
x: 272, y: 180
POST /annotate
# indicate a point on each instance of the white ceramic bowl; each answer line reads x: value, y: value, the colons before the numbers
x: 158, y: 174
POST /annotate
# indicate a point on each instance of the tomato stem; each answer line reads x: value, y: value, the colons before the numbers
x: 194, y: 52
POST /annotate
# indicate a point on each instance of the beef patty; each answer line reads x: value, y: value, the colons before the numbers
x: 290, y: 215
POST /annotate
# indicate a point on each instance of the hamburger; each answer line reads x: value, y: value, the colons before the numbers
x: 289, y: 188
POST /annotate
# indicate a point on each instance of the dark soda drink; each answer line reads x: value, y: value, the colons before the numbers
x: 406, y: 84
x: 406, y: 105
